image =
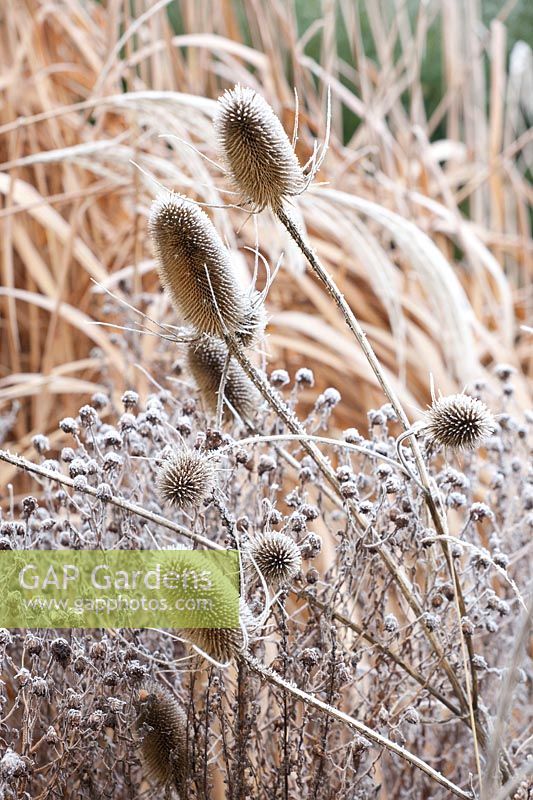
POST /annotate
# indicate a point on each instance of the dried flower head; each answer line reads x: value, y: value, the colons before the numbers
x: 458, y: 421
x: 186, y: 478
x: 163, y: 725
x: 277, y: 556
x: 222, y: 644
x: 195, y: 268
x: 206, y: 360
x: 256, y: 150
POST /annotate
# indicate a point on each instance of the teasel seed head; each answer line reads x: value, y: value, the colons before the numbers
x: 277, y: 556
x: 163, y: 725
x: 255, y: 149
x: 206, y: 359
x: 458, y: 421
x: 223, y: 644
x: 186, y: 478
x: 195, y: 268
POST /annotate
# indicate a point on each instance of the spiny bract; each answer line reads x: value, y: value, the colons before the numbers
x: 195, y: 268
x: 256, y: 150
x: 277, y: 557
x: 186, y: 478
x: 206, y: 360
x: 163, y: 725
x: 458, y: 421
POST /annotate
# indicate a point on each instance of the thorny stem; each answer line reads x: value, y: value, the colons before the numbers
x: 440, y: 525
x: 376, y: 738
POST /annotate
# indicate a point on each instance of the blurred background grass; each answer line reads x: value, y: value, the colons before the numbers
x: 422, y: 210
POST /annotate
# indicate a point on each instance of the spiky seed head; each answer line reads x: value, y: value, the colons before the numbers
x: 195, y: 268
x: 186, y: 478
x: 206, y: 360
x: 222, y: 644
x: 256, y: 150
x: 163, y: 725
x: 458, y: 421
x: 277, y: 556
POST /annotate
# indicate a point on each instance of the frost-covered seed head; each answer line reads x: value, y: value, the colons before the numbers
x: 328, y: 399
x: 304, y: 377
x: 255, y: 149
x: 88, y: 416
x: 458, y: 421
x: 195, y: 268
x: 163, y: 726
x: 206, y: 360
x: 129, y: 399
x: 69, y: 425
x: 186, y: 478
x: 279, y: 378
x: 41, y: 443
x: 277, y: 556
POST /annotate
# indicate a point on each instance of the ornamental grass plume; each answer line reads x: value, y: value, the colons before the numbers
x: 195, y: 268
x: 206, y: 360
x: 277, y: 557
x: 255, y: 149
x: 186, y: 478
x: 163, y: 724
x: 458, y: 421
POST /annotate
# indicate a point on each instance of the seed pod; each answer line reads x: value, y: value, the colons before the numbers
x: 206, y: 360
x: 256, y: 150
x: 186, y: 478
x: 163, y: 725
x: 458, y: 421
x: 195, y: 268
x: 277, y: 556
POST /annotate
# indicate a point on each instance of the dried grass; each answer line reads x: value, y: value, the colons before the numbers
x: 429, y: 240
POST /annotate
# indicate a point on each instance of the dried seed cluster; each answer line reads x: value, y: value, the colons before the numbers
x: 256, y: 150
x: 458, y: 421
x: 186, y: 478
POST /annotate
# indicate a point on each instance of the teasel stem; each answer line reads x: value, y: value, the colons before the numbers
x: 356, y: 725
x: 438, y: 519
